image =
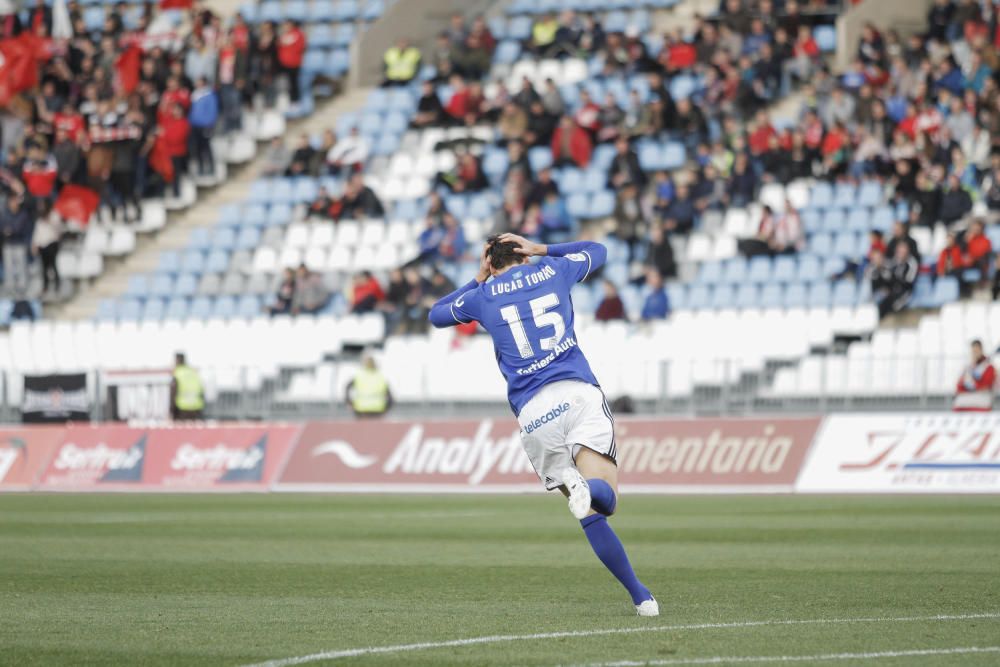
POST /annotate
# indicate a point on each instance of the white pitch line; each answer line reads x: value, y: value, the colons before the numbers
x: 497, y: 639
x: 728, y: 660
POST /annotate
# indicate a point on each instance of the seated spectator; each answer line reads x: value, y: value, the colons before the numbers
x: 467, y: 176
x: 543, y: 36
x: 777, y: 234
x: 416, y: 308
x: 348, y: 155
x: 311, y: 295
x: 978, y: 248
x: 901, y: 236
x: 660, y: 254
x: 892, y: 280
x: 571, y: 145
x: 742, y: 185
x: 283, y: 298
x: 430, y: 111
x: 555, y: 223
x: 926, y: 200
x: 358, y: 201
x: 302, y: 157
x: 976, y: 387
x: 951, y: 259
x: 611, y: 306
x: 366, y: 293
x: 442, y: 239
x: 657, y: 304
x: 541, y: 126
x: 322, y: 206
x: 552, y: 99
x: 401, y: 63
x: 681, y: 213
x: 472, y: 58
x: 543, y: 186
x: 394, y: 305
x: 956, y: 202
x: 512, y: 123
x: 625, y: 166
x: 609, y: 118
x: 276, y: 159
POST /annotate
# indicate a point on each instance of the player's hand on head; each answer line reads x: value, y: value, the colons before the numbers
x: 524, y: 246
x: 484, y: 264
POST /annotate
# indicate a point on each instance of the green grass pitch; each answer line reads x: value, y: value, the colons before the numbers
x: 232, y: 580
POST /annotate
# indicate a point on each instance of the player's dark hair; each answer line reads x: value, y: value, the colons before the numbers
x: 502, y: 253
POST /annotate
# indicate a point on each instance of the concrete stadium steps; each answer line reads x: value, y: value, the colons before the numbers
x: 204, y: 213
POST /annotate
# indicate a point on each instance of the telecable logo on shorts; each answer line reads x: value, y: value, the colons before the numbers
x: 551, y: 415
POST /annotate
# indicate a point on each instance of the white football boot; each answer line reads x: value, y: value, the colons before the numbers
x: 648, y: 608
x: 579, y: 492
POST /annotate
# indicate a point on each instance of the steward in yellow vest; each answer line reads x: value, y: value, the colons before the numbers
x: 368, y: 393
x: 402, y: 64
x: 187, y: 395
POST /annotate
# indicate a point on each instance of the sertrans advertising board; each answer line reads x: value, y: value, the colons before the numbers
x: 184, y: 458
x: 911, y: 453
x: 655, y: 455
x: 24, y: 453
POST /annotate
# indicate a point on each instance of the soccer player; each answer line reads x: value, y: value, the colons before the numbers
x: 566, y: 426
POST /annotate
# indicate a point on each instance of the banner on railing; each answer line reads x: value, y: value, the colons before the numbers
x: 916, y: 453
x: 141, y: 395
x: 486, y: 455
x: 55, y: 399
x: 188, y: 458
x: 24, y: 452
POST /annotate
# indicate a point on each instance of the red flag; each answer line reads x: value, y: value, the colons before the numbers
x: 77, y: 203
x: 159, y: 159
x: 18, y: 70
x: 176, y: 4
x: 127, y: 66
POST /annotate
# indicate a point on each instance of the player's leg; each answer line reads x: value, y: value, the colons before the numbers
x: 601, y: 474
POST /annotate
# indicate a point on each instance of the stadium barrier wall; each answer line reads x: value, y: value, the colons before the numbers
x: 843, y: 453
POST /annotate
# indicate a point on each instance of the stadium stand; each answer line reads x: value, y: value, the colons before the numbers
x: 762, y: 225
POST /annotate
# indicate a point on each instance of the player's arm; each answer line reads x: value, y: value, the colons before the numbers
x: 587, y: 256
x: 452, y: 309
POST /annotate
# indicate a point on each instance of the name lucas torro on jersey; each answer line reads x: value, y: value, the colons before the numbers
x: 546, y: 418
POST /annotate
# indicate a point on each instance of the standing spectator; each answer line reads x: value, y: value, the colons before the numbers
x: 176, y: 130
x: 187, y: 395
x: 892, y: 281
x: 204, y: 114
x: 571, y: 145
x: 543, y: 35
x: 368, y: 393
x: 348, y: 155
x: 401, y: 63
x: 45, y: 245
x: 657, y: 304
x: 291, y: 51
x: 611, y: 306
x: 16, y: 222
x: 366, y: 293
x: 276, y: 158
x: 974, y: 392
x: 660, y: 254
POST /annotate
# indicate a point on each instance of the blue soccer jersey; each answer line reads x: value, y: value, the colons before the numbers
x: 528, y: 312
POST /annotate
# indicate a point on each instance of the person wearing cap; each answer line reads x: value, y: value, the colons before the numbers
x: 974, y: 392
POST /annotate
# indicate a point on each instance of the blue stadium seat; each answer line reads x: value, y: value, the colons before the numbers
x: 248, y: 239
x: 314, y: 61
x: 186, y: 285
x: 834, y: 220
x: 346, y: 10
x: 373, y: 10
x: 784, y: 269
x: 199, y: 239
x: 870, y: 194
x: 507, y: 52
x: 107, y: 310
x: 826, y: 38
x: 650, y: 156
x: 162, y: 285
x: 388, y: 143
x: 338, y: 63
x: 138, y: 286
x: 683, y: 86
x: 254, y: 215
x: 480, y: 207
x: 820, y: 295
x: 343, y: 35
x: 723, y: 296
x: 229, y: 215
x: 224, y: 238
x: 747, y: 296
x: 810, y: 269
x: 224, y: 307
x: 519, y: 28
x: 169, y: 262
x: 218, y: 260
x: 735, y: 271
x: 845, y: 195
x: 602, y: 157
x: 594, y: 179
x: 193, y: 261
x: 772, y: 296
x: 677, y: 294
x: 200, y: 309
x: 279, y: 215
x: 845, y: 293
x: 248, y: 11
x: 370, y: 123
x: 248, y: 307
x: 821, y: 196
x: 304, y: 190
x: 710, y: 273
x: 760, y: 270
x: 845, y: 244
x: 796, y: 295
x: 153, y: 310
x: 882, y: 218
x: 457, y: 205
x: 321, y: 11
x: 269, y: 11
x: 946, y: 290
x: 821, y: 244
x: 570, y: 181
x: 129, y: 310
x: 177, y: 309
x: 540, y: 157
x: 858, y: 219
x: 923, y: 293
x: 674, y: 155
x: 699, y: 297
x: 602, y: 204
x: 812, y: 220
x: 296, y: 10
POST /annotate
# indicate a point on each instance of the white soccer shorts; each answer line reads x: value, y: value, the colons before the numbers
x: 558, y: 420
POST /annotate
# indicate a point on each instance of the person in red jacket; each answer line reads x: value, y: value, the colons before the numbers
x: 978, y: 248
x: 175, y: 130
x: 951, y: 260
x: 571, y: 145
x: 291, y: 51
x: 974, y: 392
x: 367, y: 293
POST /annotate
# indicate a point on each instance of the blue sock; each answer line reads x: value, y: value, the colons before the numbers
x: 609, y: 549
x: 602, y: 496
